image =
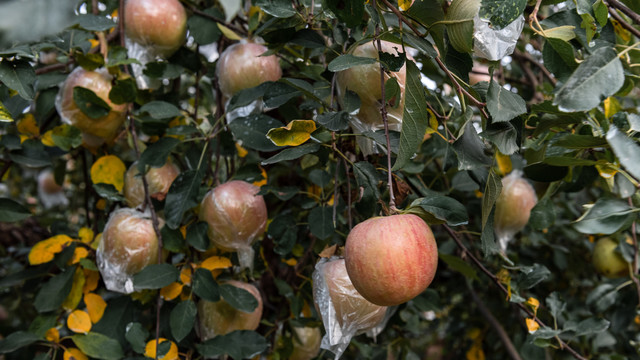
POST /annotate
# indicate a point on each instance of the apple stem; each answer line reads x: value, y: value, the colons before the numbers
x: 385, y: 121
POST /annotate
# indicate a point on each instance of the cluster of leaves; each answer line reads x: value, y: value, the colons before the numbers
x: 563, y: 109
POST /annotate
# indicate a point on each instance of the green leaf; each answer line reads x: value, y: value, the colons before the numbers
x: 5, y: 116
x: 470, y: 150
x: 18, y: 75
x: 347, y: 61
x: 627, y: 150
x: 439, y: 210
x: 590, y: 326
x: 347, y: 11
x: 606, y: 216
x: 98, y: 346
x: 205, y: 286
x: 531, y: 276
x: 599, y: 76
x: 555, y: 304
x: 503, y: 135
x: 334, y: 121
x: 89, y: 61
x: 544, y: 172
x: 543, y: 215
x: 492, y: 191
x: 66, y: 137
x: 245, y: 97
x: 415, y: 119
x: 197, y: 236
x: 292, y: 153
x: 459, y: 265
x: 32, y: 154
x: 283, y: 231
x: 321, y: 222
x: 160, y: 110
x: 92, y: 22
x: 488, y: 239
x: 501, y: 12
x: 17, y: 340
x: 53, y: 292
x: 574, y: 141
x: 123, y: 91
x: 368, y: 178
x: 156, y: 154
x: 421, y: 44
x: 239, y: 298
x: 108, y: 192
x: 11, y: 211
x: 89, y: 103
x: 182, y: 196
x: 242, y: 344
x: 276, y: 8
x: 252, y: 131
x: 204, y: 30
x: 155, y: 276
x: 504, y: 105
x: 137, y: 336
x: 182, y: 319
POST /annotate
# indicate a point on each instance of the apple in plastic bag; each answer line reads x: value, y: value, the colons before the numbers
x: 513, y: 207
x: 391, y: 259
x: 607, y: 261
x: 95, y: 130
x: 220, y: 318
x: 241, y: 67
x: 158, y: 24
x: 306, y: 343
x: 158, y: 179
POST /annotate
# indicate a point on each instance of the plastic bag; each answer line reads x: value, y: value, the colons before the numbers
x: 236, y: 218
x: 493, y: 44
x: 128, y: 244
x: 345, y: 313
x: 513, y: 207
x: 158, y: 179
x: 49, y: 192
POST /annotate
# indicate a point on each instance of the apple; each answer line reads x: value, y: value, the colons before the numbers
x: 607, y: 261
x: 306, y: 343
x: 220, y: 318
x: 235, y: 214
x: 241, y: 67
x: 129, y: 243
x: 391, y: 259
x: 352, y: 310
x: 160, y: 25
x: 158, y: 179
x: 479, y: 72
x: 513, y: 207
x: 95, y: 131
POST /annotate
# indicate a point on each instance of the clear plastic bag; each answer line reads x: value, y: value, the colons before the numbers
x: 513, y: 207
x: 236, y: 218
x: 158, y: 179
x: 493, y: 44
x: 128, y: 244
x: 345, y: 313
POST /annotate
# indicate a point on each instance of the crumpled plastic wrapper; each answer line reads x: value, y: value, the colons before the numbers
x: 158, y: 179
x: 236, y: 218
x: 365, y: 81
x: 493, y: 44
x: 50, y: 193
x: 345, y: 313
x: 94, y: 131
x: 128, y: 244
x: 513, y: 207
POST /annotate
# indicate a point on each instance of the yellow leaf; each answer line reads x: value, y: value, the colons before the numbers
x: 94, y: 42
x: 433, y: 123
x: 290, y: 262
x: 101, y: 204
x: 78, y: 253
x: 606, y: 171
x: 504, y: 163
x: 150, y: 350
x: 185, y: 275
x: 95, y: 306
x: 47, y: 139
x: 28, y: 126
x: 242, y: 152
x: 262, y: 182
x: 534, y: 303
x: 5, y: 116
x: 228, y: 33
x: 171, y: 291
x: 623, y: 33
x: 52, y: 335
x: 404, y: 5
x: 297, y: 132
x: 532, y: 325
x: 74, y: 354
x: 45, y: 250
x: 216, y: 262
x: 565, y: 32
x: 109, y: 169
x: 91, y: 282
x: 79, y: 322
x: 475, y: 352
x: 611, y: 107
x: 504, y: 277
x: 86, y: 235
x: 75, y: 295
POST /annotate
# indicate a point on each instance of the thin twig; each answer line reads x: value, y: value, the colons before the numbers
x: 346, y: 170
x: 625, y: 10
x: 215, y: 19
x: 619, y: 19
x: 529, y: 58
x: 496, y: 281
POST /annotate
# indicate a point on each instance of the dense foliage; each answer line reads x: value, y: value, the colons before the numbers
x: 559, y: 112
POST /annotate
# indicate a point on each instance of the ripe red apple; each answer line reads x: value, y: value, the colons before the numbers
x: 235, y: 214
x: 220, y: 318
x: 513, y: 207
x: 352, y: 310
x: 128, y: 244
x: 95, y: 131
x: 158, y: 179
x: 391, y: 259
x: 306, y: 343
x: 241, y: 67
x: 158, y: 24
x: 607, y: 261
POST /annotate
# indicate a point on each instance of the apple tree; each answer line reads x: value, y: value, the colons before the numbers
x: 181, y: 178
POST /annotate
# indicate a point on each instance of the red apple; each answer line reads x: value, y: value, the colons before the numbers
x: 128, y: 244
x: 513, y: 207
x: 95, y: 131
x: 158, y: 24
x: 220, y: 318
x: 607, y: 261
x: 159, y: 180
x: 241, y: 67
x: 306, y: 343
x: 391, y: 259
x: 235, y: 214
x: 352, y: 310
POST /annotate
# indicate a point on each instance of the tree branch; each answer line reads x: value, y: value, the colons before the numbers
x: 625, y: 10
x: 619, y: 19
